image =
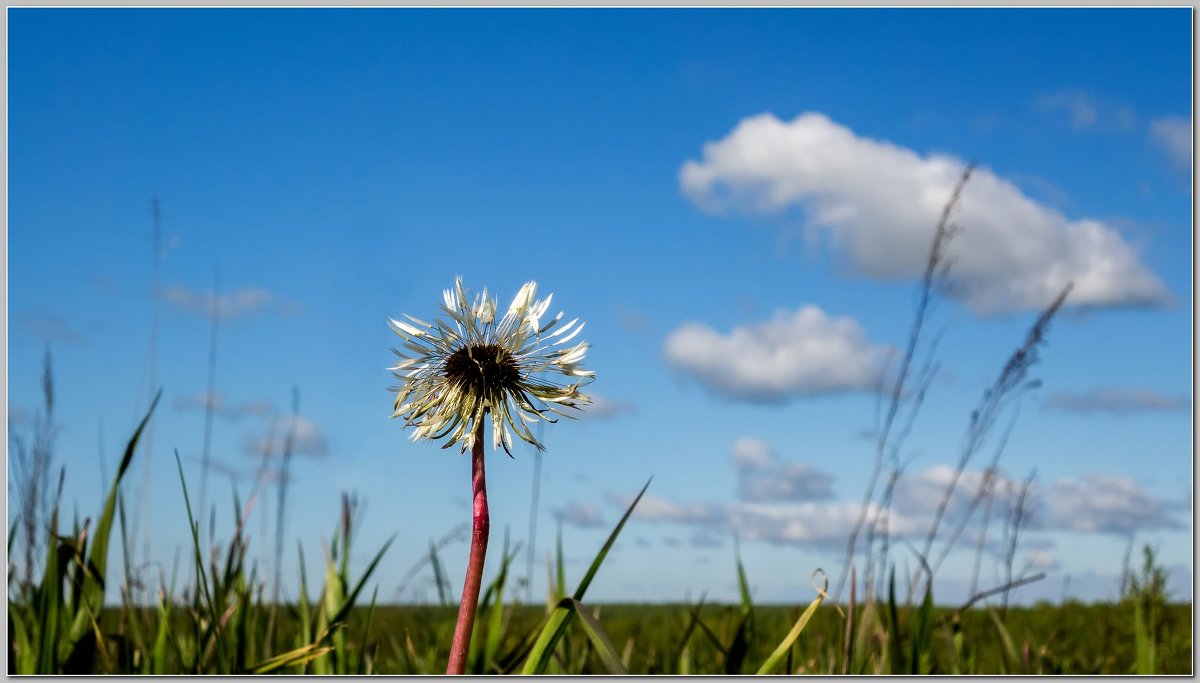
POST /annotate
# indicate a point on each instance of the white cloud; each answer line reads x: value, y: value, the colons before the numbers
x: 1076, y: 103
x: 749, y: 453
x: 51, y: 328
x: 226, y: 305
x: 920, y: 493
x: 1117, y: 401
x: 605, y: 408
x: 204, y: 400
x: 307, y: 438
x: 822, y: 524
x: 583, y: 515
x: 1089, y: 112
x: 762, y: 477
x: 1173, y: 134
x: 879, y: 203
x: 1093, y: 503
x: 1105, y: 503
x: 654, y: 509
x: 804, y: 352
x: 705, y: 539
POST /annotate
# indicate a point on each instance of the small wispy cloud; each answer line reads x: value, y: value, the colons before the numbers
x: 763, y: 477
x: 51, y: 328
x: 581, y: 515
x: 604, y: 408
x: 1173, y: 135
x: 654, y: 509
x: 220, y: 467
x: 1117, y: 401
x: 1075, y: 103
x: 631, y: 320
x: 106, y: 283
x: 203, y: 401
x: 307, y: 438
x: 225, y: 305
x: 798, y: 353
x: 705, y: 539
x: 1086, y: 111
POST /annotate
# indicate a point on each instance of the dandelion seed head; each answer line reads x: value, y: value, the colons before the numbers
x: 469, y: 368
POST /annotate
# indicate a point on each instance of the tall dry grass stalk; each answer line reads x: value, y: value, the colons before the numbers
x: 936, y: 269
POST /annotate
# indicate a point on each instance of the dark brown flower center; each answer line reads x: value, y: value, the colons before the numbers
x: 482, y: 369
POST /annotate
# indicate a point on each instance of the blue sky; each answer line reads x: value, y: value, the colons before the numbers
x: 709, y: 189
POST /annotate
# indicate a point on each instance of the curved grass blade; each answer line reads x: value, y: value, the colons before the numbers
x: 362, y: 648
x: 1011, y: 660
x: 604, y: 647
x: 895, y: 641
x: 23, y: 660
x: 93, y: 588
x: 780, y: 652
x: 297, y: 657
x: 495, y: 628
x: 348, y: 603
x: 740, y: 647
x: 559, y: 619
x: 313, y: 650
x: 687, y: 631
x: 205, y: 594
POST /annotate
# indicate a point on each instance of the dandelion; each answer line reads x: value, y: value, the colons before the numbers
x: 457, y: 375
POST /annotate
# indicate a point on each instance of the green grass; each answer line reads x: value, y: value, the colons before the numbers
x: 58, y: 625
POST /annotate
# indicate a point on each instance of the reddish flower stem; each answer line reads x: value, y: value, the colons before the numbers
x: 480, y: 525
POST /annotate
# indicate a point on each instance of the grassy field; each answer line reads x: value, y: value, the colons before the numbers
x: 60, y: 625
x: 1048, y: 639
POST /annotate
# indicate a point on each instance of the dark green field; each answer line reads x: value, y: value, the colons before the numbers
x: 1073, y: 638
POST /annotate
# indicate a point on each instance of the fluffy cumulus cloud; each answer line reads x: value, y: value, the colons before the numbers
x: 1117, y: 401
x: 763, y: 477
x: 919, y: 493
x: 1108, y: 504
x: 1173, y: 135
x: 796, y: 353
x: 1092, y: 503
x: 816, y: 524
x: 879, y: 202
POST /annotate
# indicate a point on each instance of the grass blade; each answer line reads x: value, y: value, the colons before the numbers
x: 604, y: 647
x: 780, y: 652
x: 362, y: 648
x: 93, y: 586
x: 559, y: 618
x: 297, y: 657
x: 1011, y: 660
x: 1144, y: 663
